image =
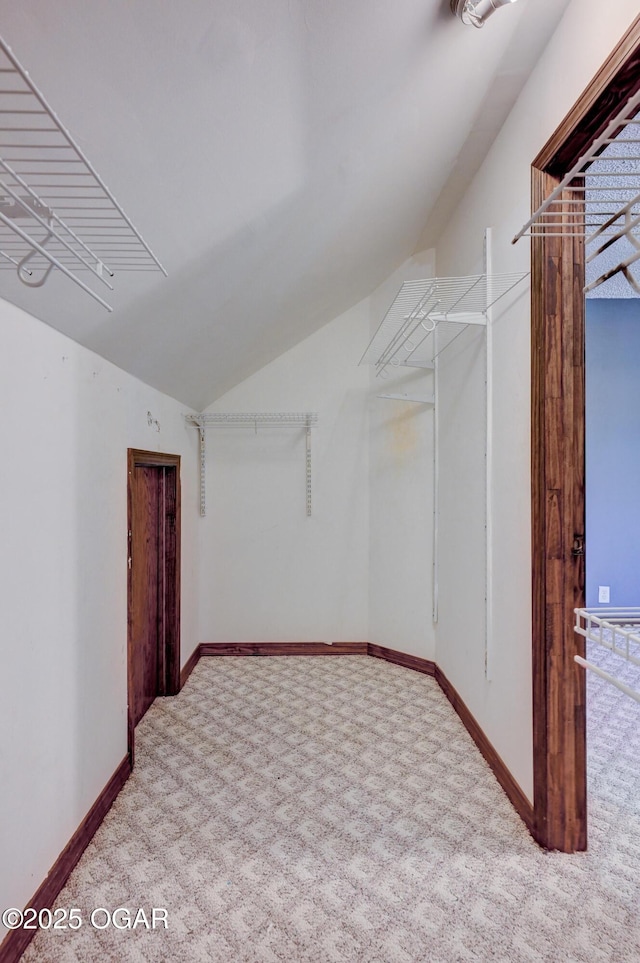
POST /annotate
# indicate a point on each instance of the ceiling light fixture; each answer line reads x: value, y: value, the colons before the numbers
x: 477, y: 12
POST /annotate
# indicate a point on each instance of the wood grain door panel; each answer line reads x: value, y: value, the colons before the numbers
x: 146, y: 586
x: 153, y: 645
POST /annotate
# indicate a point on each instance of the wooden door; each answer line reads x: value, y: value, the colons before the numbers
x: 153, y: 650
x: 146, y: 588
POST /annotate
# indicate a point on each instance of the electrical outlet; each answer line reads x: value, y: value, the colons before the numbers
x: 603, y: 594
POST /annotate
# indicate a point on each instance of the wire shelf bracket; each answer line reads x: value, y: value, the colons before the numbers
x: 254, y: 419
x: 428, y: 400
x: 568, y: 212
x: 56, y: 212
x: 405, y: 337
x: 617, y: 630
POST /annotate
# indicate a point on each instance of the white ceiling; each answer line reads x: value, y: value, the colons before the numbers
x: 281, y: 158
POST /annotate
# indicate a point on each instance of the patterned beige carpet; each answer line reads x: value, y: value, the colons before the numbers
x: 334, y: 809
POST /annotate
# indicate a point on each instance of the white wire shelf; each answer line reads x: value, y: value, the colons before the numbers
x: 405, y: 337
x: 304, y: 420
x: 618, y: 631
x: 255, y: 419
x: 428, y: 400
x: 55, y: 210
x: 599, y: 199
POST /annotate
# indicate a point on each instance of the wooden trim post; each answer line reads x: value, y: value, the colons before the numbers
x: 558, y: 472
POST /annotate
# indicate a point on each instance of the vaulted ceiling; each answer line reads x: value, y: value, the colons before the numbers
x: 281, y: 158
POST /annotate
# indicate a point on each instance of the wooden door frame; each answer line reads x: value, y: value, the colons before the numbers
x: 557, y: 468
x: 169, y: 657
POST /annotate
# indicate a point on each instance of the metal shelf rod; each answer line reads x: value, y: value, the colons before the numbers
x: 611, y: 679
x: 607, y: 158
x: 582, y: 188
x: 43, y: 160
x: 30, y: 130
x: 22, y: 146
x: 13, y: 261
x: 58, y: 173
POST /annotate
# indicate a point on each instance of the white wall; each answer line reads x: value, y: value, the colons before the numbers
x: 612, y: 405
x: 268, y: 571
x: 499, y: 197
x: 401, y: 493
x: 67, y: 420
x: 360, y: 568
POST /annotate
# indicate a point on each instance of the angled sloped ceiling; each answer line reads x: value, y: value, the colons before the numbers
x: 281, y: 159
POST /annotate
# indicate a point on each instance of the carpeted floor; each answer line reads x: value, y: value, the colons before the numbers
x: 334, y: 809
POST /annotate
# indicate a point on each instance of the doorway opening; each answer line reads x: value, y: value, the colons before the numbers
x: 153, y: 585
x: 558, y: 462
